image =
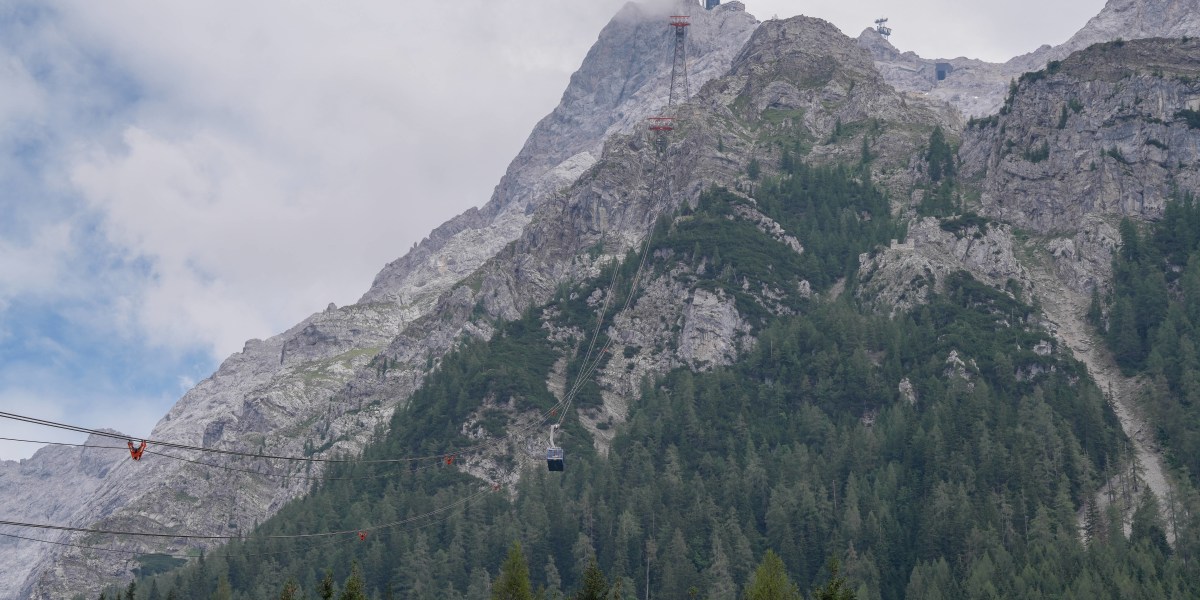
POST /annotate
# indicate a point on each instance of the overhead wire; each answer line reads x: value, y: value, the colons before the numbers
x: 588, y: 367
x: 306, y: 548
x: 294, y: 536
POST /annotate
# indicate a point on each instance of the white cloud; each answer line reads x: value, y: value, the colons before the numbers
x: 208, y: 172
x: 34, y: 267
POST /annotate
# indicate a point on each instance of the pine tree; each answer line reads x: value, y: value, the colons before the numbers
x: 327, y: 589
x: 770, y: 581
x: 513, y: 582
x: 291, y: 591
x: 837, y: 588
x: 594, y: 586
x: 355, y: 586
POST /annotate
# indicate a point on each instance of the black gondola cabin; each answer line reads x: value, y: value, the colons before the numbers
x: 554, y: 459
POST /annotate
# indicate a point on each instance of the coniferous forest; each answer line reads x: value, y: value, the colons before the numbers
x: 801, y: 470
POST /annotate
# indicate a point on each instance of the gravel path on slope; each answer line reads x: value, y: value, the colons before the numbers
x: 1066, y: 310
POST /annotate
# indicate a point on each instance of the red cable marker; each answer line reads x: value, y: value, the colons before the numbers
x: 362, y: 536
x: 136, y: 453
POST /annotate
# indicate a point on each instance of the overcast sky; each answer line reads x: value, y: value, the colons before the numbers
x: 177, y: 177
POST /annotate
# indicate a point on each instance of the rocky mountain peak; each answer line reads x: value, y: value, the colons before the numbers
x: 1136, y: 19
x: 977, y: 88
x: 804, y: 51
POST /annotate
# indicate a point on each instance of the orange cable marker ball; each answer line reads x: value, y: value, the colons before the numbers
x: 136, y: 453
x: 449, y: 459
x: 362, y: 536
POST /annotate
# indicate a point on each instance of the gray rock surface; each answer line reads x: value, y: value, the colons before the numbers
x: 328, y: 383
x: 41, y: 489
x: 908, y: 273
x: 978, y: 88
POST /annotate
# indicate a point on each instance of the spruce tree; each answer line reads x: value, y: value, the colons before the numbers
x: 326, y: 588
x: 355, y: 586
x: 770, y: 581
x: 291, y: 591
x: 513, y: 582
x: 594, y: 586
x: 836, y: 588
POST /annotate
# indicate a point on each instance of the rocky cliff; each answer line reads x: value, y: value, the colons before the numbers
x: 589, y: 187
x: 977, y: 88
x: 312, y: 389
x: 44, y: 489
x: 1105, y: 134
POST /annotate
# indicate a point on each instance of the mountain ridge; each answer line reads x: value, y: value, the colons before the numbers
x: 561, y: 197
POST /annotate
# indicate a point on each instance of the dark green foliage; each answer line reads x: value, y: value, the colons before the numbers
x: 153, y: 564
x: 327, y: 589
x: 1062, y: 118
x: 594, y: 586
x: 1040, y: 153
x: 1153, y: 318
x: 940, y: 156
x: 513, y: 582
x: 770, y: 581
x: 804, y: 446
x: 983, y: 122
x: 960, y: 224
x: 1189, y: 116
x: 837, y: 217
x: 1031, y: 77
x: 1117, y: 155
x: 837, y: 588
x: 1157, y: 144
x: 753, y: 170
x: 1075, y: 105
x: 291, y: 591
x: 940, y: 197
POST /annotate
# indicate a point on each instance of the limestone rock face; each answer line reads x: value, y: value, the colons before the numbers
x: 40, y: 489
x: 1103, y: 134
x: 711, y: 330
x: 905, y: 275
x: 328, y: 383
x: 978, y: 88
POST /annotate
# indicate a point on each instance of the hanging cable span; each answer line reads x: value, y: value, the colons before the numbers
x: 434, y: 512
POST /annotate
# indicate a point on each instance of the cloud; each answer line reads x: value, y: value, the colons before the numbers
x: 34, y: 267
x: 178, y: 177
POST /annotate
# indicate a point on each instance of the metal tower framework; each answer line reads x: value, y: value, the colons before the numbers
x: 882, y: 28
x: 679, y: 77
x: 659, y: 128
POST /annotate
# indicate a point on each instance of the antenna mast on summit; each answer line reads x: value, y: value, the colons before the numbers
x: 679, y: 78
x: 882, y: 29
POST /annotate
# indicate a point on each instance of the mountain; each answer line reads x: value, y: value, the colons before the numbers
x: 822, y: 331
x: 832, y: 317
x: 977, y: 88
x: 45, y: 488
x: 311, y: 388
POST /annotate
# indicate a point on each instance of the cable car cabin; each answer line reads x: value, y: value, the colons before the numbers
x: 554, y: 459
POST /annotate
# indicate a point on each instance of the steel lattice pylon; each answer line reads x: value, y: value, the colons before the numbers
x: 679, y: 77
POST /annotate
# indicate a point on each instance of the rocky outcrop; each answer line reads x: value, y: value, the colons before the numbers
x: 1103, y: 135
x: 908, y: 273
x: 328, y: 383
x: 978, y: 88
x: 40, y: 489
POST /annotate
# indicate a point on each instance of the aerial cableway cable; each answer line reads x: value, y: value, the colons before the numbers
x: 226, y: 467
x: 293, y: 536
x: 586, y: 371
x: 336, y: 538
x: 163, y: 443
